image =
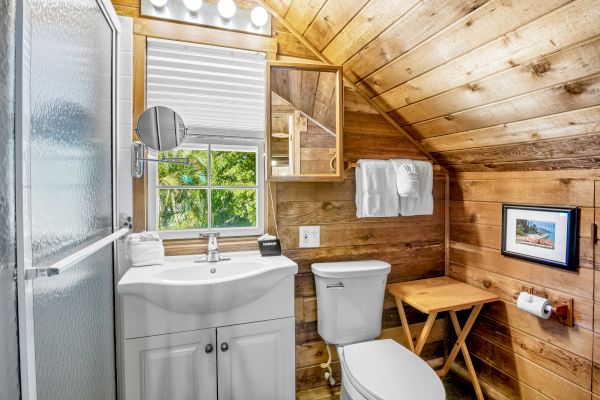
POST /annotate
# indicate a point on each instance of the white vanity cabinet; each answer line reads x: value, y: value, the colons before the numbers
x: 208, y: 331
x: 253, y: 361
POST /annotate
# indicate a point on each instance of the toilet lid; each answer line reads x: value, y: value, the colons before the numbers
x: 386, y: 370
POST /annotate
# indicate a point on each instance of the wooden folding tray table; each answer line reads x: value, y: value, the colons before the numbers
x: 435, y: 295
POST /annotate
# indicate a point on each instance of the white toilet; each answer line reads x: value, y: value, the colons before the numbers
x: 350, y: 303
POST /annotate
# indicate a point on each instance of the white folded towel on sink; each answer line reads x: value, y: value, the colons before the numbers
x: 145, y: 248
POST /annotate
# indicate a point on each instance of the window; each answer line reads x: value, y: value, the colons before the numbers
x: 219, y: 191
x: 220, y: 95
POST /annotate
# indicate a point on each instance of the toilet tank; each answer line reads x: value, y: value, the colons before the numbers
x: 350, y: 299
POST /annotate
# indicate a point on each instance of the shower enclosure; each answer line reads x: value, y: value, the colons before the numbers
x: 58, y: 198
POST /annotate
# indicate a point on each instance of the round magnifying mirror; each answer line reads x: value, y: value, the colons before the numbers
x: 161, y: 129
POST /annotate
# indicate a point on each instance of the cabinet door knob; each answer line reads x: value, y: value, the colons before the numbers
x: 208, y: 348
x: 224, y: 346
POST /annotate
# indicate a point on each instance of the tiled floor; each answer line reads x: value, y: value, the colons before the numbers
x: 456, y: 389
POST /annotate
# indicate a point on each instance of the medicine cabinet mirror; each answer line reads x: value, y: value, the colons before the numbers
x: 304, y: 122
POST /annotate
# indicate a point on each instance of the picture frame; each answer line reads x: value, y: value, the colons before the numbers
x: 542, y: 234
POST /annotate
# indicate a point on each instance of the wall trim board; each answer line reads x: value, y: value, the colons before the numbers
x: 203, y: 35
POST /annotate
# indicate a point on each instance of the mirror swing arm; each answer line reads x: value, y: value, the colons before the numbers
x: 138, y: 159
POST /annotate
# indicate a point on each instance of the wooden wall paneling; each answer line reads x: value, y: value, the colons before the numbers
x: 540, y: 379
x: 505, y: 287
x: 302, y: 12
x: 568, y: 365
x: 424, y: 21
x: 543, y: 358
x: 578, y: 191
x: 584, y: 163
x: 557, y: 99
x: 493, y: 19
x: 374, y: 18
x: 542, y: 36
x: 288, y: 44
x: 580, y: 284
x: 581, y: 146
x: 570, y: 123
x: 596, y: 351
x: 127, y: 11
x: 281, y: 6
x: 331, y: 19
x: 569, y: 64
x: 140, y: 185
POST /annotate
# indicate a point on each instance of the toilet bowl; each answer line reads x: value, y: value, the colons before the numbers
x: 349, y: 307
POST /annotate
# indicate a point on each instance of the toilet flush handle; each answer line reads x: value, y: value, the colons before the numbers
x: 338, y: 285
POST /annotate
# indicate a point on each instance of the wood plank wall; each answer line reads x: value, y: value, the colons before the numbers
x: 413, y: 245
x: 519, y: 356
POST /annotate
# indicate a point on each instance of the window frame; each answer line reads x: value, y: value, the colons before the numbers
x: 204, y: 142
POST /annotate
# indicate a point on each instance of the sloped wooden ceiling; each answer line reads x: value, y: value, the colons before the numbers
x: 483, y: 85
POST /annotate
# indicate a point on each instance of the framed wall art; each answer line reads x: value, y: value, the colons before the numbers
x: 542, y: 234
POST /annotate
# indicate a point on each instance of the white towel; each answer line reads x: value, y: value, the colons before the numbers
x: 376, y: 192
x: 407, y: 178
x: 145, y: 248
x: 423, y: 204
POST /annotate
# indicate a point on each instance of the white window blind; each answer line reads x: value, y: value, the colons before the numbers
x: 217, y: 91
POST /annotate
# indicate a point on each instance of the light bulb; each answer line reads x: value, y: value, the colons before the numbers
x: 226, y: 8
x: 159, y: 3
x: 259, y: 16
x: 192, y: 5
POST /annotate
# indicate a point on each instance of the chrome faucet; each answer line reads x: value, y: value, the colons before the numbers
x: 213, y: 254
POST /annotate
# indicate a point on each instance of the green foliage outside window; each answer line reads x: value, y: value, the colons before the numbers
x: 185, y: 206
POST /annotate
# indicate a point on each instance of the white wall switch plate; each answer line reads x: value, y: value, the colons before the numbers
x: 310, y: 236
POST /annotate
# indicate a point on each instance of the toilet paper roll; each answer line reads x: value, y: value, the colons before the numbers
x: 538, y: 306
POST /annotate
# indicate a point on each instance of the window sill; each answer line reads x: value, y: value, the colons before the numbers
x: 184, y: 247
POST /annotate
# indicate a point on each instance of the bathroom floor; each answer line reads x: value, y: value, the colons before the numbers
x: 457, y: 388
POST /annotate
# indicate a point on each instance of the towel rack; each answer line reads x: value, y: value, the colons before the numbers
x: 349, y: 164
x: 68, y: 262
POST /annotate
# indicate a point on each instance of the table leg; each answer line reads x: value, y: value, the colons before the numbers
x: 460, y: 341
x: 425, y: 332
x: 467, y: 357
x: 405, y: 326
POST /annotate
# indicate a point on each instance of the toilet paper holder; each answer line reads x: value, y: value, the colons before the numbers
x: 561, y: 309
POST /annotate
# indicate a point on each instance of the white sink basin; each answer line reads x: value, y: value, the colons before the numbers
x: 183, y: 286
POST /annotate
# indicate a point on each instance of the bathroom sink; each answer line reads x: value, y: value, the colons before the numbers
x: 183, y: 286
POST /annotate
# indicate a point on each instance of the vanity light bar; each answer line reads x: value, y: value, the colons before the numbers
x: 225, y: 14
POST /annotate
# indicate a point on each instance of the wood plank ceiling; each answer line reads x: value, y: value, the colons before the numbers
x: 484, y: 85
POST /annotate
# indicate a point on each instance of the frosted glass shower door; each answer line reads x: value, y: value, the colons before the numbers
x: 69, y: 212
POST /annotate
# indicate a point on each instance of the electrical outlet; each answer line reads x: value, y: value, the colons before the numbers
x: 310, y: 236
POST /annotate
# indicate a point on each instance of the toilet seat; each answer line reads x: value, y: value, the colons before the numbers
x: 386, y: 370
